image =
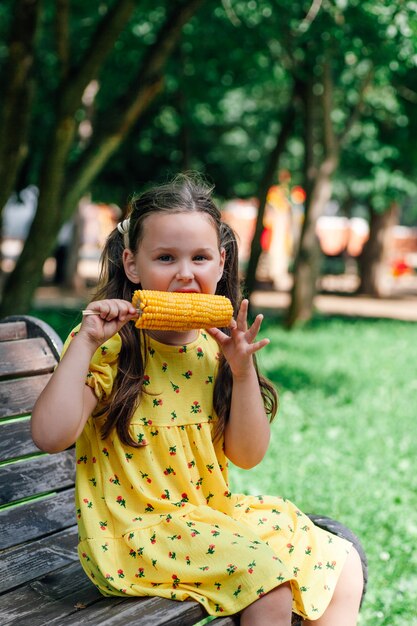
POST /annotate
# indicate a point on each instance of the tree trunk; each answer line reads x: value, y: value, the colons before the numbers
x: 307, y: 265
x: 17, y: 90
x: 318, y: 185
x: 373, y: 260
x: 55, y: 205
x: 267, y: 181
x: 99, y: 152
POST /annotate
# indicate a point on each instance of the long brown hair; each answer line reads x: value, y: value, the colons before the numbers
x: 184, y: 193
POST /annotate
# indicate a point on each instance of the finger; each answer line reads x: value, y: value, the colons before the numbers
x: 127, y: 311
x: 255, y: 327
x: 258, y: 345
x: 242, y: 316
x: 113, y: 310
x: 218, y: 335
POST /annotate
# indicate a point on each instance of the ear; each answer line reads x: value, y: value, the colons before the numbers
x: 222, y: 262
x: 130, y: 266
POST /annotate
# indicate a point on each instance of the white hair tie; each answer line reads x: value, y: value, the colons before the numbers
x: 123, y: 228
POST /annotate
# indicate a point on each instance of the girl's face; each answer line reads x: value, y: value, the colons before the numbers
x: 178, y: 252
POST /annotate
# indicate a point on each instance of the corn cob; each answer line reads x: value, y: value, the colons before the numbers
x: 166, y: 310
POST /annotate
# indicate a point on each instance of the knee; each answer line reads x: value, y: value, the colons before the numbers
x: 350, y: 583
x: 281, y: 599
x: 275, y: 605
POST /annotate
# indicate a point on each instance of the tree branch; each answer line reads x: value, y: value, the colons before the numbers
x: 310, y: 17
x: 358, y: 108
x: 62, y: 35
x: 147, y: 84
x: 330, y: 140
x: 17, y: 90
x: 100, y: 47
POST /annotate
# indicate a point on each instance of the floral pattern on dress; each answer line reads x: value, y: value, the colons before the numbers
x: 162, y: 520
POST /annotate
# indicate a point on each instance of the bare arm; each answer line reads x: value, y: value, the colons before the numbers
x: 247, y: 432
x: 63, y: 407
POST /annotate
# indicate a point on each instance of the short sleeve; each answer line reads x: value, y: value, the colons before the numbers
x: 103, y: 365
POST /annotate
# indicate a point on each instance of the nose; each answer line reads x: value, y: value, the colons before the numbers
x: 185, y: 272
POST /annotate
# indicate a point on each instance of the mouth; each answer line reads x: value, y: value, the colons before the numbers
x: 186, y: 291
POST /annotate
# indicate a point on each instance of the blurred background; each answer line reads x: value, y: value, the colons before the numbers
x: 303, y: 115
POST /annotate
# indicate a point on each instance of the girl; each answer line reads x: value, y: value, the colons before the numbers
x: 157, y: 415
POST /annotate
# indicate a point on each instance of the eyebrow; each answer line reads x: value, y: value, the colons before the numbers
x: 174, y: 248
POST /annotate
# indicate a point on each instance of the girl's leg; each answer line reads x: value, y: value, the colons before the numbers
x: 273, y: 609
x: 343, y: 609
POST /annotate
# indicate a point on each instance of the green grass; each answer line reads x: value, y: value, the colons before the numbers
x: 343, y: 442
x: 61, y: 320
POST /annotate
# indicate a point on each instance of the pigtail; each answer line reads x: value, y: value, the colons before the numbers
x: 229, y: 285
x: 113, y: 283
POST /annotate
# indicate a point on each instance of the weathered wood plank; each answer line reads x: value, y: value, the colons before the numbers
x: 137, y: 612
x: 36, y: 519
x: 37, y: 558
x: 13, y: 331
x: 231, y: 620
x: 53, y: 600
x: 38, y: 475
x: 35, y: 327
x: 16, y: 440
x: 54, y: 596
x: 17, y: 396
x: 25, y: 357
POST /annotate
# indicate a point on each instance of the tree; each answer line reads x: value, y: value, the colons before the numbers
x: 356, y: 45
x: 378, y: 145
x: 67, y: 167
x: 17, y: 82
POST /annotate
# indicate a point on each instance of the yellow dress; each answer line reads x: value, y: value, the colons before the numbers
x: 160, y: 520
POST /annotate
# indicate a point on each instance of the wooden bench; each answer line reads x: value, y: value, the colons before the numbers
x: 41, y: 580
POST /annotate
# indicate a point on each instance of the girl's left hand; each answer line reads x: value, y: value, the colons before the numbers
x: 241, y: 345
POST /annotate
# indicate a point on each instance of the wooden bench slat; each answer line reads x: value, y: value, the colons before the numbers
x: 35, y: 476
x: 13, y: 331
x: 52, y: 600
x: 37, y: 558
x: 25, y: 357
x: 53, y: 597
x: 37, y: 518
x: 15, y: 440
x: 17, y: 396
x: 137, y: 612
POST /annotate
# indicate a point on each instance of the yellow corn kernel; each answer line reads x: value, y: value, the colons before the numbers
x: 166, y: 310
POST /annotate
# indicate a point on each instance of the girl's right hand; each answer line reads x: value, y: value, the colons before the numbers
x: 109, y: 317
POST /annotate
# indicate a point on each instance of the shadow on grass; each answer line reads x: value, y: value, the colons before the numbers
x: 294, y: 379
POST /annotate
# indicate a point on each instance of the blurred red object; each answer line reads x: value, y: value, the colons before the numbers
x: 266, y: 238
x: 400, y: 268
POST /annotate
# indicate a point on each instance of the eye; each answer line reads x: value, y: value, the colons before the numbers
x: 165, y: 258
x: 200, y: 257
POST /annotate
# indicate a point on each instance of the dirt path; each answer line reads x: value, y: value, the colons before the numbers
x: 402, y: 308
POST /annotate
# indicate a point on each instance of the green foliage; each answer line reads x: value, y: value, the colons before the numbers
x: 228, y: 84
x: 343, y: 444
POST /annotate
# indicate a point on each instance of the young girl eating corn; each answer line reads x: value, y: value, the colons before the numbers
x: 156, y: 415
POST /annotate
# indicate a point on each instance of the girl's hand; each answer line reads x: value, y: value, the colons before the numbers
x: 241, y: 345
x: 109, y: 316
